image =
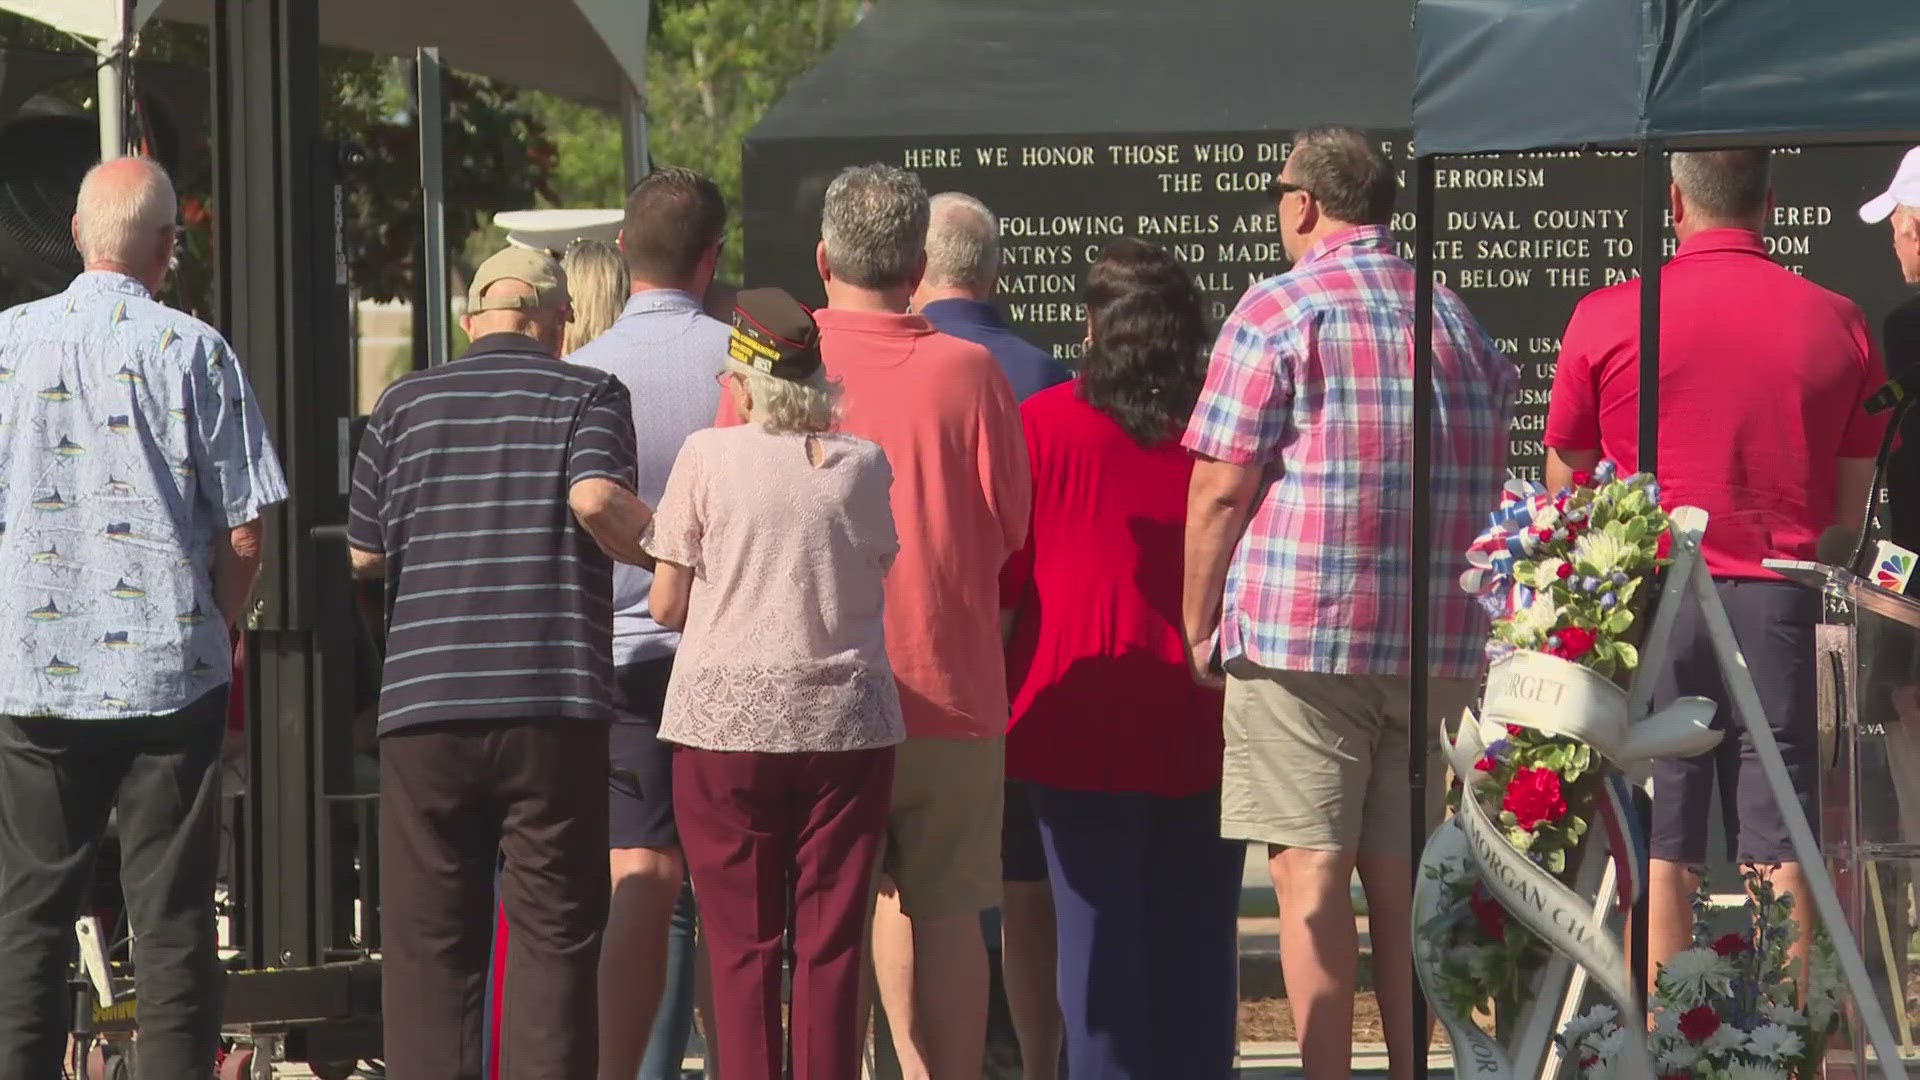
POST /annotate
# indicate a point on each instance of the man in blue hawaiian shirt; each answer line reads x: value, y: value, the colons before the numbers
x: 133, y: 470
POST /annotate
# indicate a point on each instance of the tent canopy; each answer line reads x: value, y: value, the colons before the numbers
x: 1493, y: 75
x: 1036, y: 67
x: 587, y: 50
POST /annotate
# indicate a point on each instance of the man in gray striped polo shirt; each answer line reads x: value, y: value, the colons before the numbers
x: 494, y: 494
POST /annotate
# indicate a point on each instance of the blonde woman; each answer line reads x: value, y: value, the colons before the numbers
x: 773, y: 542
x: 597, y: 280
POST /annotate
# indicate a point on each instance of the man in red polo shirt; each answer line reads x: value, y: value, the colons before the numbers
x: 1762, y: 379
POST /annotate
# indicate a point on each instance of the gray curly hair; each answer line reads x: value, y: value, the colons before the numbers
x: 874, y: 223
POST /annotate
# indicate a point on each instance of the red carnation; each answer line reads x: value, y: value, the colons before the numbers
x: 1731, y: 944
x: 1582, y: 478
x: 1516, y: 729
x: 1534, y: 796
x: 1488, y: 913
x: 1699, y: 1023
x: 1665, y: 547
x: 1574, y: 643
x: 1486, y: 764
x: 1565, y: 571
x: 1543, y: 534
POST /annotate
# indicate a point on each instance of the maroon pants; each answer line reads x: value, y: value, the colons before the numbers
x: 777, y: 841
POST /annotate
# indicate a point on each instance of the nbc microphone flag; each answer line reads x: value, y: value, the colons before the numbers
x: 1893, y: 566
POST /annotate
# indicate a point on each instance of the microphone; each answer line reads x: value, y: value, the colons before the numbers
x: 1897, y: 389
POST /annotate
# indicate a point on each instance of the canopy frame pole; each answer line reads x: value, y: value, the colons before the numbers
x: 1653, y: 232
x: 1422, y: 515
x: 111, y: 81
x: 633, y: 134
x: 433, y: 203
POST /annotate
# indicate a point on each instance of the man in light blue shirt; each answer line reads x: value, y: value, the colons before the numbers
x: 667, y: 352
x: 133, y: 470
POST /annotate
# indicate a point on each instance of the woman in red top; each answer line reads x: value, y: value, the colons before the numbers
x: 1119, y: 749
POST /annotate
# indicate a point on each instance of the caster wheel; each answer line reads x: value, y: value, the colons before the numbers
x: 332, y: 1070
x: 238, y: 1065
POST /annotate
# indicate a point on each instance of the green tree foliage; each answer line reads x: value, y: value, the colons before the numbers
x: 714, y: 67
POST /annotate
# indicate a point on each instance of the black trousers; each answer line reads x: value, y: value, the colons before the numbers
x: 457, y: 798
x: 59, y: 781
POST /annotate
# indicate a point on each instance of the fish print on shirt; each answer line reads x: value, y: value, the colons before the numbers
x: 128, y: 444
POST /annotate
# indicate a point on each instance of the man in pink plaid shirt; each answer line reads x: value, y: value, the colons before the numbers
x: 1299, y: 543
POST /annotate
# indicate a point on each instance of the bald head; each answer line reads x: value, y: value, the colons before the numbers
x: 125, y: 219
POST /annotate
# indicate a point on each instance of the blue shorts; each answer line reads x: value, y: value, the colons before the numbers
x: 1774, y: 623
x: 640, y: 787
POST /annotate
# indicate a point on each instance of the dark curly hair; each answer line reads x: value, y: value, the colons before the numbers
x: 1150, y: 338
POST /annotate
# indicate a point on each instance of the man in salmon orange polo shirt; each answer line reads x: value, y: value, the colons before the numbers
x: 1763, y: 376
x: 962, y: 493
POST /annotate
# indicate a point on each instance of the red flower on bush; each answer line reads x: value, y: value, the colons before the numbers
x: 1535, y: 797
x: 1731, y: 944
x: 1699, y: 1023
x: 1582, y: 478
x: 1488, y: 913
x: 1574, y: 643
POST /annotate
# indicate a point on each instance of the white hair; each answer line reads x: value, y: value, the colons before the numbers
x: 120, y: 217
x: 809, y: 406
x: 963, y: 243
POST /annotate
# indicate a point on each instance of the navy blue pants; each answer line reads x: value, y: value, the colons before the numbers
x: 1146, y: 898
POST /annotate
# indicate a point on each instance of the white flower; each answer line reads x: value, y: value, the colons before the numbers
x: 1666, y: 1024
x: 1547, y: 517
x: 1532, y: 623
x: 1739, y: 1071
x: 1602, y: 552
x: 1692, y: 975
x: 1783, y: 1013
x: 1607, y: 1044
x: 1546, y: 573
x: 1774, y: 1042
x: 1727, y: 1038
x: 1681, y: 1057
x: 1587, y: 1023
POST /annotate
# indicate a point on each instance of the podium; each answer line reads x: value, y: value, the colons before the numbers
x: 1868, y: 656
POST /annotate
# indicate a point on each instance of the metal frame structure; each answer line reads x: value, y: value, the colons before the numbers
x: 306, y: 873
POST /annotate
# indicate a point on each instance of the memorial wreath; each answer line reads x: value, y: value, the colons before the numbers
x: 1563, y: 576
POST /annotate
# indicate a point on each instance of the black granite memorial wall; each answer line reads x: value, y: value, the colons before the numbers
x: 1521, y: 237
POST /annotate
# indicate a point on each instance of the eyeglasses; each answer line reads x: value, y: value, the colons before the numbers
x: 1281, y: 188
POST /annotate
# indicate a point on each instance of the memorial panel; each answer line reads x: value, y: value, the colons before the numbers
x: 1521, y: 237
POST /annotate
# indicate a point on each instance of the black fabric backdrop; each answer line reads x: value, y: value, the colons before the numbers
x: 1494, y: 75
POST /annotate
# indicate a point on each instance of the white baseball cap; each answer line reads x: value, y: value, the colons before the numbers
x: 1904, y: 191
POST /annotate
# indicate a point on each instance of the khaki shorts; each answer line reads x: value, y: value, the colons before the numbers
x: 1320, y: 761
x: 943, y: 837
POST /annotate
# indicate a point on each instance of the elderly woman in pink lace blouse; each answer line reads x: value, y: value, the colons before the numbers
x: 773, y: 540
